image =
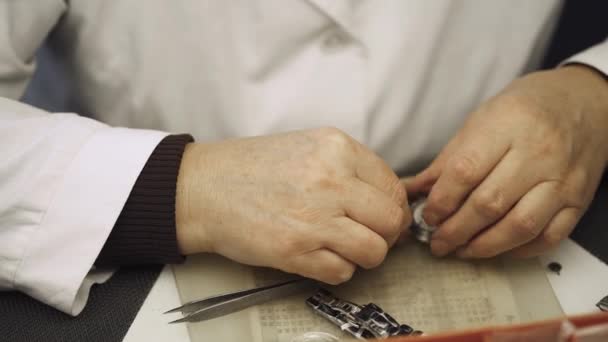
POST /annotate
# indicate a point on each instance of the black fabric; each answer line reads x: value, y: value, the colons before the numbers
x: 111, y: 309
x: 145, y: 231
x: 592, y: 231
x: 582, y: 24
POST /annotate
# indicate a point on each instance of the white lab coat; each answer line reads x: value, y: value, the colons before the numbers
x: 399, y: 76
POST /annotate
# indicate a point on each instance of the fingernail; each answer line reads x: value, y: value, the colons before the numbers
x: 439, y: 248
x: 431, y: 219
x: 465, y: 253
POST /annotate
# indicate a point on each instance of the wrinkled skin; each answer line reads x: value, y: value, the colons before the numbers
x: 516, y: 178
x: 316, y: 203
x: 523, y: 169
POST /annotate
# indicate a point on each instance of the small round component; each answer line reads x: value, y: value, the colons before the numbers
x: 315, y: 336
x: 555, y: 267
x: 421, y: 230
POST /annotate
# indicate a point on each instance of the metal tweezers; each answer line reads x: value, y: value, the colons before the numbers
x: 217, y: 306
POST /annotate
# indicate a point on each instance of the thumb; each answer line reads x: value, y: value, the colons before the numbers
x: 422, y: 183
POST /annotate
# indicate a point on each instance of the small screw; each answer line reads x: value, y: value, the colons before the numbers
x: 555, y: 267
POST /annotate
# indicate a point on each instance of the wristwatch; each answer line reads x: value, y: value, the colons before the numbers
x: 420, y: 229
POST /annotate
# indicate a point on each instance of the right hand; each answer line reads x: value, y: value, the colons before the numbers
x: 316, y: 203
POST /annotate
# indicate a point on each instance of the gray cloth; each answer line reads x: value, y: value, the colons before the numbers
x: 107, y: 317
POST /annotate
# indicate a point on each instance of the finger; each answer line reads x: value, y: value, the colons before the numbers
x: 558, y: 229
x: 404, y: 231
x: 374, y: 209
x: 464, y: 171
x: 415, y: 191
x: 424, y: 181
x: 371, y: 169
x: 521, y: 225
x: 322, y: 265
x: 405, y: 227
x: 487, y: 204
x: 407, y: 181
x: 404, y: 236
x: 356, y: 243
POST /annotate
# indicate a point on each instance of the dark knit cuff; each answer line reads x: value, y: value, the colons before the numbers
x: 144, y: 232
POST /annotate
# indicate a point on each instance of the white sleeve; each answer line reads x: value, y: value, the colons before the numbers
x: 595, y: 56
x: 63, y: 178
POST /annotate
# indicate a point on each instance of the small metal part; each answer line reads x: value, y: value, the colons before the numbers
x: 420, y: 229
x: 362, y: 322
x: 603, y: 304
x: 555, y: 267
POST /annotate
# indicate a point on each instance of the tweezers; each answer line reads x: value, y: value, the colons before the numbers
x: 217, y: 306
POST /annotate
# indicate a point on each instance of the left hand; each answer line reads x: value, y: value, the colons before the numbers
x: 523, y: 169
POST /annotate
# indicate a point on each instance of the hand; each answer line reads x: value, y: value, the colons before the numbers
x: 315, y: 203
x: 523, y: 169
